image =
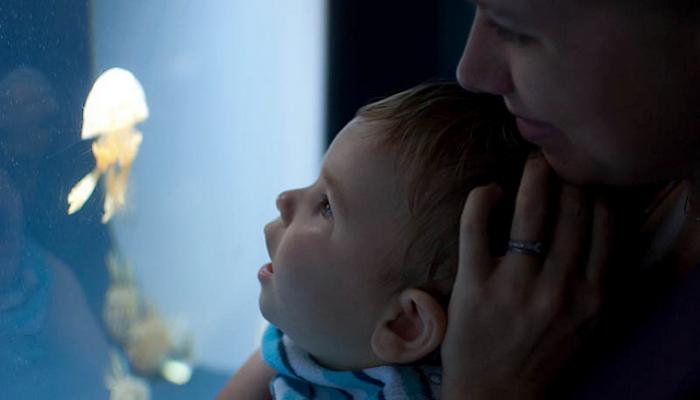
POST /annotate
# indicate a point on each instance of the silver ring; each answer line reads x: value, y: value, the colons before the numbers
x: 529, y: 248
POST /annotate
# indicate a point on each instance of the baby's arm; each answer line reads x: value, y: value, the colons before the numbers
x: 251, y: 381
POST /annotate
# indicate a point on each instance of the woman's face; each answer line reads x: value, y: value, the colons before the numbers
x: 610, y: 92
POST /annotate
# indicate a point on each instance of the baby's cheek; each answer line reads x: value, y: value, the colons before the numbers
x: 305, y: 312
x: 303, y: 244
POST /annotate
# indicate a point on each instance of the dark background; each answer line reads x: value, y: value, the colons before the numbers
x: 377, y: 48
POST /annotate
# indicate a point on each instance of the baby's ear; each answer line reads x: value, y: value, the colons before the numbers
x: 414, y: 326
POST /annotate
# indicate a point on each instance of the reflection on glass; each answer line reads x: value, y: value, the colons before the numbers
x: 154, y: 347
x: 124, y: 386
x: 48, y: 335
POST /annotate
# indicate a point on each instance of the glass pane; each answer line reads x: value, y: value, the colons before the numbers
x: 233, y: 93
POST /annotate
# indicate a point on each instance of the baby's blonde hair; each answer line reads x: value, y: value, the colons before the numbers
x: 446, y: 141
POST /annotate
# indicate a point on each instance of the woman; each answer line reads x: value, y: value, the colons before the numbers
x: 609, y: 90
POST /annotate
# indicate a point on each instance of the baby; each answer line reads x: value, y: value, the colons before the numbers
x: 363, y: 259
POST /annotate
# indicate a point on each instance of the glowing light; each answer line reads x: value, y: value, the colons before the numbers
x: 177, y: 372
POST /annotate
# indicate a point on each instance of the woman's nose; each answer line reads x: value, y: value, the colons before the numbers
x: 484, y: 66
x: 285, y: 205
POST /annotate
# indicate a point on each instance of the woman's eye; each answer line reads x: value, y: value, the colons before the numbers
x: 326, y: 210
x: 510, y: 36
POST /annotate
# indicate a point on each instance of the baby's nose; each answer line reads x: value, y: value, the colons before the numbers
x: 285, y: 206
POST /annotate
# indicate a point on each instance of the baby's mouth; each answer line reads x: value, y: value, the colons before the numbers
x: 265, y: 271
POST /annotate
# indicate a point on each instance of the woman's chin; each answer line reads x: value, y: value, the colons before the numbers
x: 570, y: 170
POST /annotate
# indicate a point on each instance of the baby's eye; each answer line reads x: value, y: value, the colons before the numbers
x: 326, y: 210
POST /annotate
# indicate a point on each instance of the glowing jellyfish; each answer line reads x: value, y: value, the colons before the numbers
x: 115, y: 104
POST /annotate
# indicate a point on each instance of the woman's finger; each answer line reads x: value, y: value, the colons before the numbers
x: 529, y: 220
x: 602, y: 234
x: 474, y: 252
x: 569, y: 241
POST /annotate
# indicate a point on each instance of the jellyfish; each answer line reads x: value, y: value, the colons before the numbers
x: 115, y: 104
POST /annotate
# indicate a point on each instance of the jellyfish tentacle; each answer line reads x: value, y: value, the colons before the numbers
x: 82, y: 191
x: 112, y: 195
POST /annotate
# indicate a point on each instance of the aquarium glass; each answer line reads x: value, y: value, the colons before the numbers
x: 142, y: 146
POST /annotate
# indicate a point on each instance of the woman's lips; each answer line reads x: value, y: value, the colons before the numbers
x: 536, y: 132
x: 265, y: 272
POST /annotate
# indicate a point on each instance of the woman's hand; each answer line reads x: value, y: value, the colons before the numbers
x: 514, y: 321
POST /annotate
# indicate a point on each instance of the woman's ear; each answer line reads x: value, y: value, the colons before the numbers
x: 414, y: 326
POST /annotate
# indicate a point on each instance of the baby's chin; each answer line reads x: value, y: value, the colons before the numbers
x: 266, y: 309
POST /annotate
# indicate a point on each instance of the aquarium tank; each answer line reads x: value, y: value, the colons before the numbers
x: 142, y: 146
